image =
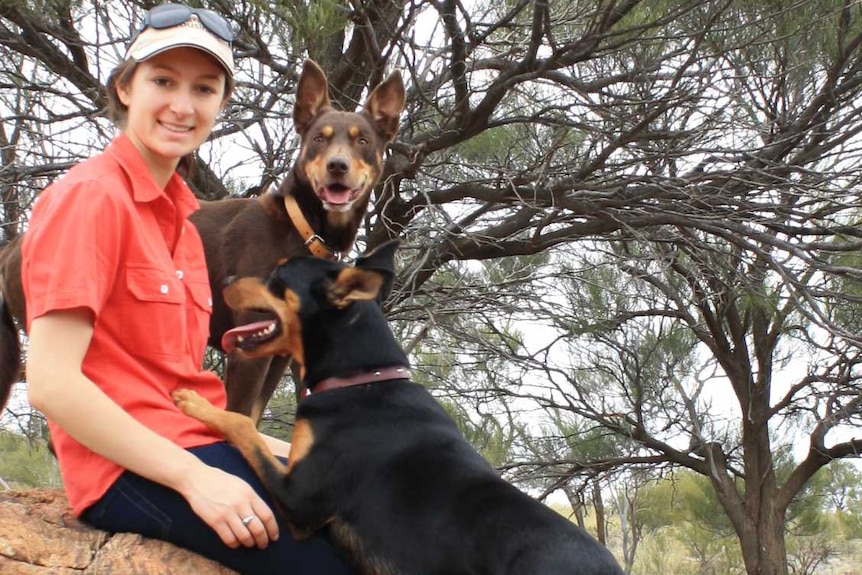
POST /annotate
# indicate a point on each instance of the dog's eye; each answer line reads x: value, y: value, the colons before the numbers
x: 319, y: 139
x: 362, y: 141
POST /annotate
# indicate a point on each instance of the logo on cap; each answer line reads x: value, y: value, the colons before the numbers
x: 194, y: 22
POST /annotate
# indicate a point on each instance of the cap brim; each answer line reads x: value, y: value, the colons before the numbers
x: 152, y: 41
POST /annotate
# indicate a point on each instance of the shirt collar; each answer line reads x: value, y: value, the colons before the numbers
x: 144, y: 189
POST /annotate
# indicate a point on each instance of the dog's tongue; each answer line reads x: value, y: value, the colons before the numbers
x: 336, y: 195
x: 236, y: 336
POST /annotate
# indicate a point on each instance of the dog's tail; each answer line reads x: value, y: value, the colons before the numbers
x: 10, y: 353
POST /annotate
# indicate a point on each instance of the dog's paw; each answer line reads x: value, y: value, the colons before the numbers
x: 191, y: 403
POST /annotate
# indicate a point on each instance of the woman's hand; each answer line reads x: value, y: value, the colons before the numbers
x: 223, y: 500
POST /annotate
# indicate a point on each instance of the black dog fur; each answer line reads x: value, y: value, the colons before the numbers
x: 380, y: 463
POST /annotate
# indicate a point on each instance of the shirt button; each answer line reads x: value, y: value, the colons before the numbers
x: 164, y: 289
x: 180, y: 274
x: 210, y: 301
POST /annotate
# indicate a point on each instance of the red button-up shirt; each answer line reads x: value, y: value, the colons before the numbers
x: 106, y: 238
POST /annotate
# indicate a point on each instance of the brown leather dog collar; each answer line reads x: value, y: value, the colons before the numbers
x: 382, y: 374
x: 313, y: 242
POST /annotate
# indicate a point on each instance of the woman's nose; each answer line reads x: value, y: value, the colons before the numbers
x: 182, y: 102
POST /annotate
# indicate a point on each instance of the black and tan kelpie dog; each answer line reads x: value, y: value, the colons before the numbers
x: 375, y: 459
x: 318, y: 208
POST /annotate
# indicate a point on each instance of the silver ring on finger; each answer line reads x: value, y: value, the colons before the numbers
x: 249, y: 519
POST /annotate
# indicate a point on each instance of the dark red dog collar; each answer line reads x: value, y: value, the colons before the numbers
x: 382, y: 374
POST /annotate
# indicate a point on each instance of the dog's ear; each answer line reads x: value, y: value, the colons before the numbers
x: 371, y: 277
x: 312, y: 96
x: 385, y: 104
x: 381, y: 258
x: 354, y: 284
x: 382, y: 261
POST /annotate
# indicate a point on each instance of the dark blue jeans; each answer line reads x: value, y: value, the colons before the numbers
x: 136, y: 505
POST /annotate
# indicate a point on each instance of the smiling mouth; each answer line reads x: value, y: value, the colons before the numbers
x: 176, y: 129
x: 249, y: 336
x: 338, y: 194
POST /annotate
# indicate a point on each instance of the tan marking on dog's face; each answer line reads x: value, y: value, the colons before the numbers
x: 353, y: 284
x: 315, y: 171
x: 248, y: 294
x: 345, y: 137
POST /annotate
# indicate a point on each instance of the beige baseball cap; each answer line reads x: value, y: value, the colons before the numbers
x: 191, y: 33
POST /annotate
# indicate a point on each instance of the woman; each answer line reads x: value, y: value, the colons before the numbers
x: 118, y: 306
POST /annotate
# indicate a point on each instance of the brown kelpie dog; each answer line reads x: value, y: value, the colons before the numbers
x: 318, y: 209
x: 375, y: 459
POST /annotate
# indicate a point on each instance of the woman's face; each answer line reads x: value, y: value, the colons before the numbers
x: 173, y: 99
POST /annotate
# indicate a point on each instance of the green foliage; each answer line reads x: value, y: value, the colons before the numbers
x: 690, y: 498
x: 489, y: 436
x: 583, y: 442
x: 687, y: 498
x: 679, y: 550
x: 306, y: 26
x: 280, y: 414
x: 25, y: 464
x: 48, y: 7
x: 839, y: 490
x: 686, y: 531
x: 502, y: 271
x: 808, y: 31
x: 848, y: 288
x: 850, y: 521
x: 515, y: 143
x: 659, y: 554
x: 494, y: 143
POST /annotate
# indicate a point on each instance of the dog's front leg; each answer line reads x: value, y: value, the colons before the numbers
x: 237, y: 428
x: 306, y: 510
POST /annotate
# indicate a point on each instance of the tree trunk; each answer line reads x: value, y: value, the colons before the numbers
x: 599, y: 505
x: 766, y: 554
x: 576, y: 500
x: 625, y: 527
x: 757, y: 517
x: 579, y: 517
x: 763, y: 551
x: 634, y: 532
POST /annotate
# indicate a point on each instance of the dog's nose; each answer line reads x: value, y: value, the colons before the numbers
x: 337, y: 166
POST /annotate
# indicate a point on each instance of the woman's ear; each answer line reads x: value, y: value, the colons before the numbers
x: 123, y: 94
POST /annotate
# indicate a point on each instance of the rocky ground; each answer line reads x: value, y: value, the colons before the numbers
x: 40, y: 536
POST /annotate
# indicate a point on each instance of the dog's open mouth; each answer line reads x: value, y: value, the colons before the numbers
x: 338, y: 194
x: 249, y: 336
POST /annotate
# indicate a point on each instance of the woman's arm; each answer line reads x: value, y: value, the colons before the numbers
x: 58, y: 388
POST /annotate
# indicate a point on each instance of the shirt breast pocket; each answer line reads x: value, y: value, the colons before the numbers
x: 155, y: 317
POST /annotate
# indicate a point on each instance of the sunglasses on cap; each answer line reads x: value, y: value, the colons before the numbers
x: 170, y: 15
